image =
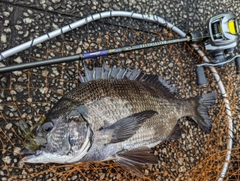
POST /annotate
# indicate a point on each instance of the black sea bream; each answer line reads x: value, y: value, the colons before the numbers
x: 116, y: 114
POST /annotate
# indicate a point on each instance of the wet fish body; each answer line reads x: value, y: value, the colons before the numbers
x: 116, y: 114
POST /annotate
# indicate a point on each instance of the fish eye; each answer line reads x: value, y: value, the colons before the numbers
x: 48, y: 126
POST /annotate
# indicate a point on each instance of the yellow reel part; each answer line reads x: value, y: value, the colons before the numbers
x: 232, y: 27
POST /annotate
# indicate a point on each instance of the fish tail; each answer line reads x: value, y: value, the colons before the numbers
x: 201, y: 106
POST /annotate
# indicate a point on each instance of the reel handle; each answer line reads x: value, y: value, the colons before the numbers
x: 201, y: 77
x: 237, y: 62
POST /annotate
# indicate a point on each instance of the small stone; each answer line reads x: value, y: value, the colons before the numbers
x: 18, y: 27
x: 6, y: 22
x: 146, y: 172
x: 191, y: 159
x: 25, y: 14
x: 7, y: 30
x: 17, y: 73
x: 43, y: 90
x: 13, y: 92
x: 26, y: 34
x: 105, y: 5
x: 55, y: 26
x: 55, y: 71
x: 50, y: 8
x: 45, y: 73
x: 7, y: 159
x: 2, y: 65
x: 29, y: 11
x: 8, y: 126
x: 74, y: 177
x: 4, y: 38
x: 170, y: 65
x: 6, y: 14
x: 16, y: 150
x: 59, y: 91
x: 56, y: 1
x: 164, y: 150
x: 79, y: 50
x: 28, y: 20
x: 20, y: 164
x: 182, y: 169
x: 29, y: 100
x: 18, y: 60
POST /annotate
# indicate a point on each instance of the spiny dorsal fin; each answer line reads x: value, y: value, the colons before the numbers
x: 106, y: 72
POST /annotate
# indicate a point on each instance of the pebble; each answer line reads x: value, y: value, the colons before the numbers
x: 18, y: 27
x: 6, y: 14
x: 7, y: 159
x: 6, y: 23
x: 18, y: 60
x: 29, y: 100
x: 8, y: 126
x: 16, y: 150
x: 170, y: 65
x: 4, y: 38
x: 56, y: 1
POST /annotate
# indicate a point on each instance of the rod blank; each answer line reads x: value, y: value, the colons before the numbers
x: 89, y: 55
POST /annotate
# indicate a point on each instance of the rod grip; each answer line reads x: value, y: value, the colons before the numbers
x: 237, y: 62
x: 201, y: 77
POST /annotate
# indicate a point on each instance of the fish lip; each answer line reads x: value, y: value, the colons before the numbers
x: 31, y: 155
x: 28, y: 158
x: 25, y: 151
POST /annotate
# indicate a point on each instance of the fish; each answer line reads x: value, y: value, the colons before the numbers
x: 116, y: 114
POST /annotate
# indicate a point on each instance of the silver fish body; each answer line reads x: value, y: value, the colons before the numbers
x: 117, y: 119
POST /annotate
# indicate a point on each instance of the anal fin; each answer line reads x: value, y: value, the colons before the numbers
x: 136, y: 158
x: 176, y: 133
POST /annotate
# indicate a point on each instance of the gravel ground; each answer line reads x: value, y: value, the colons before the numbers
x: 37, y: 90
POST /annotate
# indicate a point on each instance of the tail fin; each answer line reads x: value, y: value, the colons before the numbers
x: 202, y: 104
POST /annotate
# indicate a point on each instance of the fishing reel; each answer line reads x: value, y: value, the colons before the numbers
x: 220, y: 41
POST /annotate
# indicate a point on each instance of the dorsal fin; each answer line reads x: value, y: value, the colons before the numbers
x: 106, y: 72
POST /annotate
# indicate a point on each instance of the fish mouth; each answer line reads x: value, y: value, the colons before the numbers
x: 42, y: 156
x: 30, y: 154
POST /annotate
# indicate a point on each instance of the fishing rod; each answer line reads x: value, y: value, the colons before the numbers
x: 90, y: 55
x: 220, y: 40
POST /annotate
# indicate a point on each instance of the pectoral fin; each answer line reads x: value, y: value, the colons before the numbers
x: 127, y: 127
x: 136, y: 158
